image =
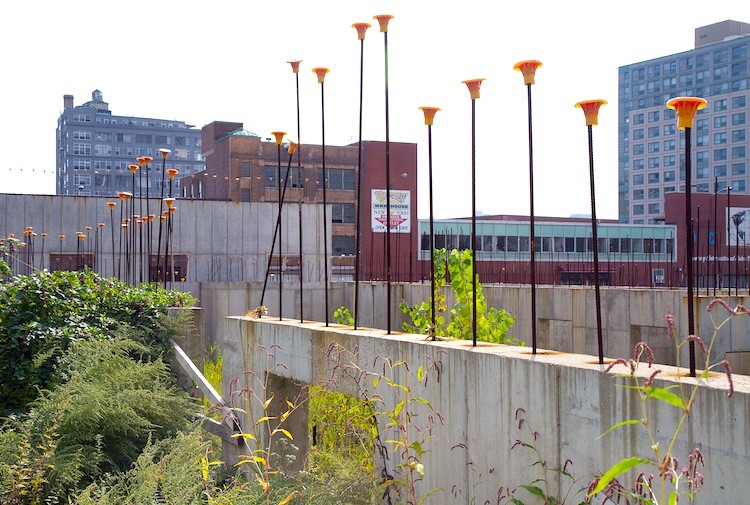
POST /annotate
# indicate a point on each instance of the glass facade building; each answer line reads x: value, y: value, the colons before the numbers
x: 651, y: 150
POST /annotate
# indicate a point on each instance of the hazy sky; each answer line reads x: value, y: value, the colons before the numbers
x: 227, y: 60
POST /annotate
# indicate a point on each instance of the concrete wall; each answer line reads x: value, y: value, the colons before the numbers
x: 566, y: 316
x: 567, y: 398
x: 225, y: 241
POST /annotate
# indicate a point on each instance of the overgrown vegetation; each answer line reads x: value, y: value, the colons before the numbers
x: 492, y: 324
x: 41, y: 315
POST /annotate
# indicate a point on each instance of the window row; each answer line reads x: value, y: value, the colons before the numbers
x: 515, y: 243
x: 338, y: 178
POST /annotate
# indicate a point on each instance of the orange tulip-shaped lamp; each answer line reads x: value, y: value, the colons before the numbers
x: 172, y: 172
x: 361, y: 29
x: 295, y: 65
x: 591, y: 110
x: 279, y: 137
x: 474, y: 85
x: 321, y: 73
x: 591, y: 114
x: 686, y: 107
x: 292, y: 147
x: 528, y: 70
x: 383, y: 20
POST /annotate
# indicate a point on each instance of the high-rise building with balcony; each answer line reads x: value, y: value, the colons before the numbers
x: 95, y: 147
x: 651, y: 148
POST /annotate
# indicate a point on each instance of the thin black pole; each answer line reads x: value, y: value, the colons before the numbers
x: 300, y: 193
x: 594, y: 226
x: 689, y: 254
x: 532, y: 231
x: 429, y: 114
x: 473, y: 226
x: 147, y: 165
x: 164, y: 154
x: 361, y: 29
x: 276, y: 228
x: 388, y: 272
x: 278, y: 185
x: 716, y: 238
x: 325, y: 201
x: 112, y: 225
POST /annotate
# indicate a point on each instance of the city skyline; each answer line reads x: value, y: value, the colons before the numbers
x: 175, y: 61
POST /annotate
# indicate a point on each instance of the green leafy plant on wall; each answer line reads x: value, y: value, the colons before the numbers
x: 492, y: 324
x: 669, y: 481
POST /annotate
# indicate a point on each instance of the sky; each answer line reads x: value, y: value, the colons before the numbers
x: 199, y: 62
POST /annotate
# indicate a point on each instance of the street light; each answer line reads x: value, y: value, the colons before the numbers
x: 717, y: 246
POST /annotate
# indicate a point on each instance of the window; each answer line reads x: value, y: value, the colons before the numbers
x: 686, y: 80
x: 701, y: 172
x: 638, y: 149
x: 669, y: 145
x: 102, y: 150
x: 124, y: 137
x: 720, y: 170
x: 668, y: 189
x: 81, y: 118
x: 720, y: 105
x: 82, y: 135
x: 638, y: 134
x: 653, y: 132
x: 653, y: 177
x: 721, y: 73
x: 638, y: 164
x: 637, y: 179
x: 669, y: 176
x: 720, y: 138
x: 670, y: 161
x: 721, y: 88
x: 162, y: 140
x: 653, y: 193
x: 738, y: 136
x: 653, y: 70
x: 738, y: 152
x: 637, y: 194
x: 653, y: 117
x: 720, y: 122
x: 638, y: 210
x: 637, y: 119
x: 339, y: 178
x: 653, y: 163
x: 245, y: 169
x: 653, y: 147
x: 739, y: 69
x: 701, y: 125
x: 738, y: 119
x: 142, y: 139
x: 342, y: 213
x: 739, y: 52
x: 685, y: 63
x: 739, y: 186
x: 703, y: 76
x: 669, y: 83
x: 739, y: 102
x: 654, y: 208
x: 82, y: 149
x: 701, y: 140
x: 720, y: 154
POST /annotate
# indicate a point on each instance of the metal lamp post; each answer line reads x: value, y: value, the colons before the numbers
x: 686, y: 107
x: 279, y: 135
x: 473, y: 85
x: 300, y: 192
x: 361, y: 30
x: 591, y: 111
x: 321, y: 73
x: 528, y: 69
x: 429, y: 117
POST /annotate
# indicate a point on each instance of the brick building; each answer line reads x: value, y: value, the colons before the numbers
x: 241, y: 166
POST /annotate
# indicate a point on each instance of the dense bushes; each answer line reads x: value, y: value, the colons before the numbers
x: 42, y: 314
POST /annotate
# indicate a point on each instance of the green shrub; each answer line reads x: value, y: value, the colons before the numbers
x: 42, y: 314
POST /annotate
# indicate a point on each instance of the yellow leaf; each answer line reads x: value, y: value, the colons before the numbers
x: 268, y: 402
x: 285, y: 432
x: 288, y: 498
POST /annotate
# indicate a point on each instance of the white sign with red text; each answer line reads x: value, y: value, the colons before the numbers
x: 400, y: 211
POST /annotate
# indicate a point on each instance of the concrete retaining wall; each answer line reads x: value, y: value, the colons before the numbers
x: 567, y: 398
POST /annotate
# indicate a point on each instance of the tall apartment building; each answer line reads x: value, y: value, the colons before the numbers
x: 95, y: 147
x: 243, y: 167
x: 651, y: 148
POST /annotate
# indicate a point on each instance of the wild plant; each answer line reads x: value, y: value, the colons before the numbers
x: 404, y: 421
x: 668, y: 481
x: 270, y: 445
